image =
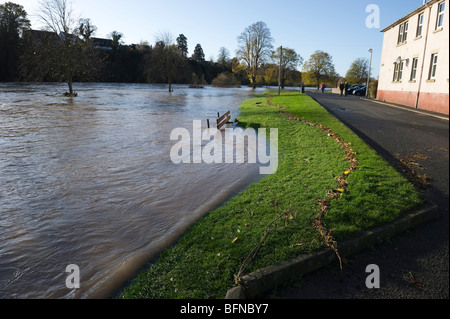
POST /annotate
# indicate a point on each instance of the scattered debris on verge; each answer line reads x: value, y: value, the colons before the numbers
x: 324, y: 204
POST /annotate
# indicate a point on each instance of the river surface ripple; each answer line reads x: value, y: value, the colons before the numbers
x: 89, y: 181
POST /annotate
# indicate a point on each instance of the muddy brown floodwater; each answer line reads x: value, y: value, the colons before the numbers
x: 89, y: 181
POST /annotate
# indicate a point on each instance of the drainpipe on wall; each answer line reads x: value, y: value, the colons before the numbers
x: 424, y: 52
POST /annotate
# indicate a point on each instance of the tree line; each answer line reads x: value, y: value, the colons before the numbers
x: 67, y: 51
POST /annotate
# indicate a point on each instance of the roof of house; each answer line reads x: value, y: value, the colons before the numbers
x: 421, y: 8
x: 40, y: 34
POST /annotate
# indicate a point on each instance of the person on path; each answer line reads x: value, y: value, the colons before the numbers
x: 346, y: 88
x: 342, y: 87
x: 323, y: 88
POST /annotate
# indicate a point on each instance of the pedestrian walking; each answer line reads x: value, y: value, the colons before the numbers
x: 342, y: 87
x: 323, y: 88
x: 346, y: 88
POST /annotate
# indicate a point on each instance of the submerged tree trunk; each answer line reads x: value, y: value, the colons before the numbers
x: 69, y: 80
x: 169, y: 79
x: 69, y: 83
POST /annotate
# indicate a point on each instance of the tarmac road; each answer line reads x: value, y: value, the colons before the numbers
x: 414, y: 265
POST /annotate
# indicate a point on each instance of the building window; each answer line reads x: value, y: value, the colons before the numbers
x: 419, y: 26
x: 398, y: 71
x: 415, y: 62
x: 433, y: 66
x: 403, y: 33
x: 440, y: 17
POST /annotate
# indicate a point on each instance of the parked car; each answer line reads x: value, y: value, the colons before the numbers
x: 361, y: 91
x: 351, y: 89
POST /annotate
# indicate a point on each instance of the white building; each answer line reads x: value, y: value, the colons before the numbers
x: 415, y: 62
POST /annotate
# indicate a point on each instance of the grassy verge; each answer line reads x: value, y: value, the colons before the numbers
x: 204, y: 262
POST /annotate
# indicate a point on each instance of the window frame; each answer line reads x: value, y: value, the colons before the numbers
x: 414, y: 65
x: 400, y: 34
x: 398, y: 71
x: 394, y: 79
x: 440, y: 15
x: 433, y: 66
x: 420, y: 20
x: 403, y: 33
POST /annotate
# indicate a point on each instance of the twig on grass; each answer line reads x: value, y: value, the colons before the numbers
x: 255, y: 250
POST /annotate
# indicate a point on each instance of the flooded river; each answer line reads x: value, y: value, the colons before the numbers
x: 89, y: 181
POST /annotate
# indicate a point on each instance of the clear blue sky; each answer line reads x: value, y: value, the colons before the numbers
x: 333, y: 26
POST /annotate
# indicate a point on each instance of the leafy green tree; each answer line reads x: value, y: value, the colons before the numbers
x: 289, y: 62
x: 319, y: 67
x: 240, y: 71
x: 182, y: 45
x: 198, y: 55
x: 116, y: 38
x: 226, y: 79
x: 271, y: 74
x: 13, y: 24
x: 358, y: 72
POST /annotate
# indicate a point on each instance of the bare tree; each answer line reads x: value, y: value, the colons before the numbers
x: 165, y: 37
x: 86, y: 29
x: 166, y: 58
x: 58, y: 16
x: 62, y: 55
x: 224, y: 56
x: 255, y: 47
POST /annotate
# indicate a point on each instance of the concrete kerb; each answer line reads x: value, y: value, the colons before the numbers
x: 274, y: 276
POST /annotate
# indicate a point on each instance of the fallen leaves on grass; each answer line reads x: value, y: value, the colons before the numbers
x: 350, y: 155
x: 410, y: 169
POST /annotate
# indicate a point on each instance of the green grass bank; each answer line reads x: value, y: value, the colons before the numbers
x: 204, y: 262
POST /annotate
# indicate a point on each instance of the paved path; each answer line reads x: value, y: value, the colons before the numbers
x: 414, y: 264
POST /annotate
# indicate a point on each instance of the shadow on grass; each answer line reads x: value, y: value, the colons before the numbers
x: 246, y: 125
